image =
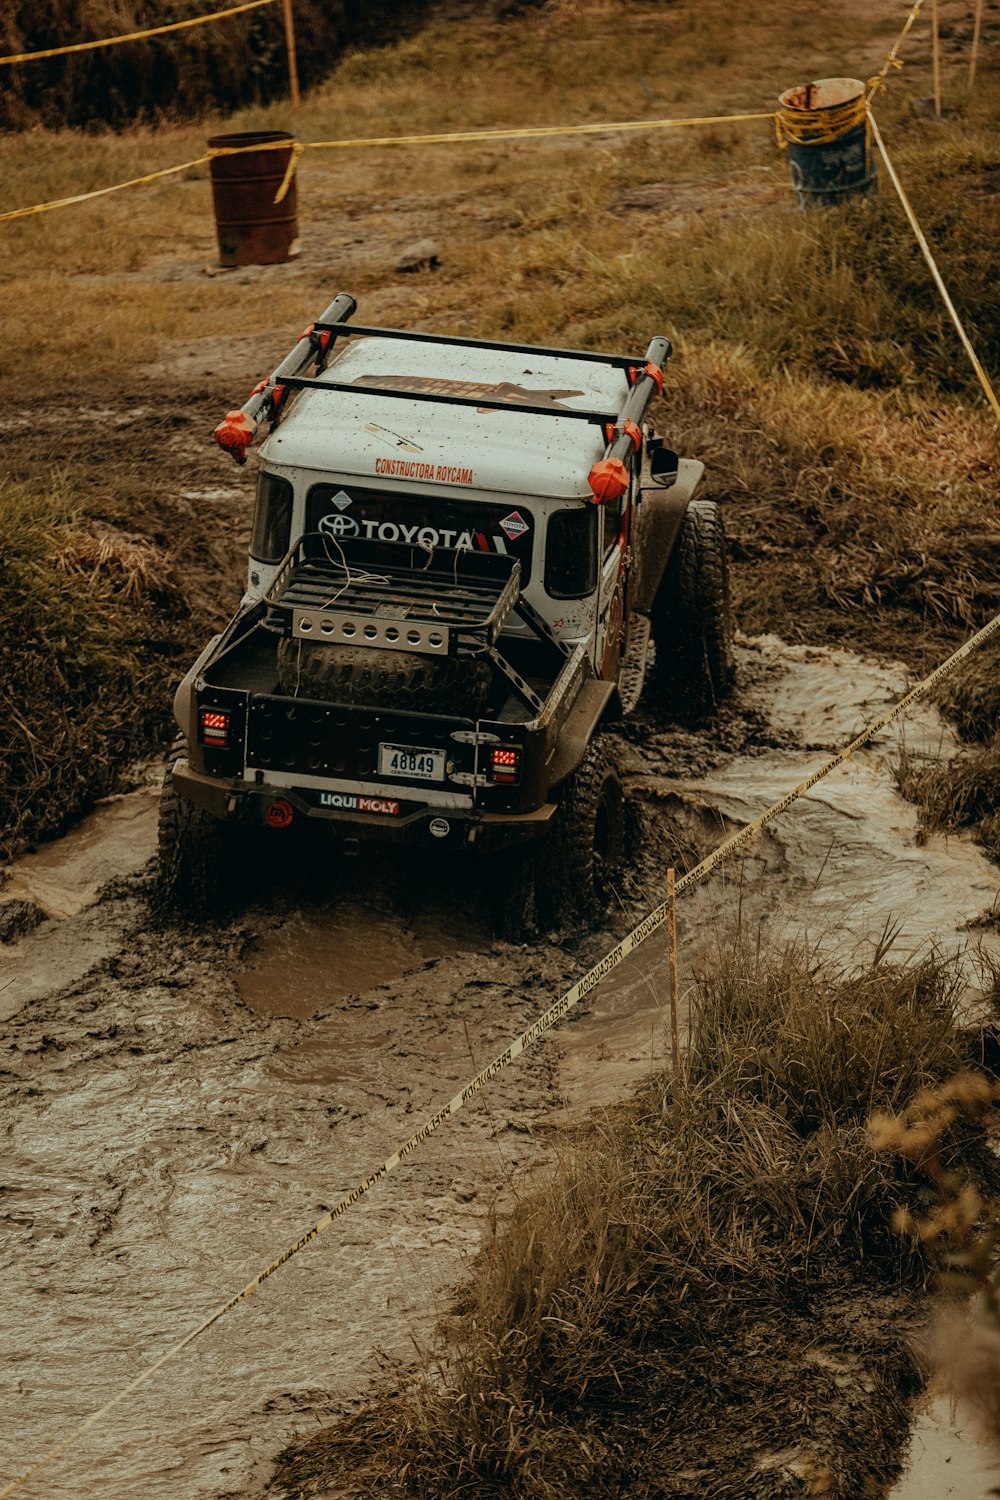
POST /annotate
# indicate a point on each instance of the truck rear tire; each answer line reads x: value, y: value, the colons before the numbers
x: 692, y: 618
x: 388, y: 679
x: 200, y: 860
x: 581, y: 873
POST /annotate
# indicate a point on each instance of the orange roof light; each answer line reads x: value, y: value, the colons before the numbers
x: 235, y: 434
x: 608, y: 480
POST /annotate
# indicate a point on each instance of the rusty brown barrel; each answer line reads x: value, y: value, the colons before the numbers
x: 253, y: 230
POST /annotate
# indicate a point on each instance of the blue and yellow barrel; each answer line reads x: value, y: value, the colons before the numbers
x: 824, y: 128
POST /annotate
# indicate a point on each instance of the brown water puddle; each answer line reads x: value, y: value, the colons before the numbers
x: 64, y: 879
x: 947, y: 1458
x: 315, y: 958
x: 833, y: 870
x: 322, y: 953
x: 115, y: 840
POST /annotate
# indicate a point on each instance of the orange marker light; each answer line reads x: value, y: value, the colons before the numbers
x: 608, y: 480
x: 235, y: 434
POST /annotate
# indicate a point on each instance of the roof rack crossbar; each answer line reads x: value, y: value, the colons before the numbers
x: 358, y: 330
x: 483, y: 403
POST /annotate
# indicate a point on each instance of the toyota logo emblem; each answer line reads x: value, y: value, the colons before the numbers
x: 335, y: 525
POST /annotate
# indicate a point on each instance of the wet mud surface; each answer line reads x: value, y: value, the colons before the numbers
x: 179, y: 1104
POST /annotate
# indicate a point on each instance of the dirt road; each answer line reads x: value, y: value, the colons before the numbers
x: 180, y: 1104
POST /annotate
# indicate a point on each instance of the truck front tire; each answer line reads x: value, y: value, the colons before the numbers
x: 692, y: 618
x: 583, y: 872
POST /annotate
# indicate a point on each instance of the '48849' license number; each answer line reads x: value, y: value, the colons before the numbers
x: 411, y: 761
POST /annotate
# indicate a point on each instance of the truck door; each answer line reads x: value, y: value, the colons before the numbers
x: 615, y: 519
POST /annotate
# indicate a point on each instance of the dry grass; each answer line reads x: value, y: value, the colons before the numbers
x: 88, y: 624
x: 131, y: 568
x: 682, y: 1258
x: 965, y: 793
x: 965, y: 1232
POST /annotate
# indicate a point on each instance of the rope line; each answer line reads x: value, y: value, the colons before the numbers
x: 893, y: 61
x: 133, y: 36
x: 528, y: 133
x: 41, y: 208
x: 521, y: 1043
x: 351, y: 143
x: 984, y: 379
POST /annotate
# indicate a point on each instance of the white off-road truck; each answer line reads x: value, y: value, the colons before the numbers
x: 460, y: 552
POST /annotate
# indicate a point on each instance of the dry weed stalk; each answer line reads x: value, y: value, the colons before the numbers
x: 965, y: 1232
x: 131, y: 566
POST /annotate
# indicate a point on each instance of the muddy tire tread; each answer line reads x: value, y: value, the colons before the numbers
x: 692, y: 618
x: 200, y: 860
x: 575, y: 883
x: 385, y: 679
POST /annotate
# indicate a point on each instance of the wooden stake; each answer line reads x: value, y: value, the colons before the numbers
x: 977, y: 27
x: 936, y: 52
x: 675, y: 1039
x: 293, y: 68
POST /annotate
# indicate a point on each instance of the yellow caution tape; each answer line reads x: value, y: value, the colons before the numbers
x: 134, y: 36
x: 529, y: 133
x: 984, y: 379
x: 42, y: 208
x: 295, y: 148
x: 893, y: 61
x: 521, y: 1043
x: 299, y: 147
x: 818, y: 127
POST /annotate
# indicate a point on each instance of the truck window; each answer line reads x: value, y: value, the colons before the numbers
x: 611, y: 524
x: 272, y: 519
x: 571, y: 553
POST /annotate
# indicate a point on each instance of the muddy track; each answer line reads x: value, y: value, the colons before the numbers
x: 180, y: 1103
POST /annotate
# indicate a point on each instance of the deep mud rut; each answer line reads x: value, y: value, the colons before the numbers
x: 180, y: 1104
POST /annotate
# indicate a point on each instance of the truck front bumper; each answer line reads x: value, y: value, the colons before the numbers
x: 359, y: 816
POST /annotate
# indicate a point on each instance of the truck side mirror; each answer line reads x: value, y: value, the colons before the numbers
x: 663, y: 465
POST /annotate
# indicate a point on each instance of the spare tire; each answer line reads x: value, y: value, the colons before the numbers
x: 376, y: 678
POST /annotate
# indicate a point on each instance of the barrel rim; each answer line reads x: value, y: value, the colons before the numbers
x: 277, y: 138
x: 857, y: 91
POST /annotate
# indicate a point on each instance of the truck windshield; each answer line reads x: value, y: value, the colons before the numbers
x: 272, y: 519
x: 430, y: 521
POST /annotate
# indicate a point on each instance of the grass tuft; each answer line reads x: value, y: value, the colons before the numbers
x: 680, y: 1255
x: 89, y: 619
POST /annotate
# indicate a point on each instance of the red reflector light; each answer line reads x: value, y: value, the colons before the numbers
x: 279, y: 814
x: 505, y: 765
x: 213, y: 727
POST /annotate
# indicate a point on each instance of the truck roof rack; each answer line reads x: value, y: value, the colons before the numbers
x: 359, y: 330
x: 304, y: 383
x: 608, y: 478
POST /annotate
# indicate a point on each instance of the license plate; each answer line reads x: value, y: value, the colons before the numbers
x: 412, y: 762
